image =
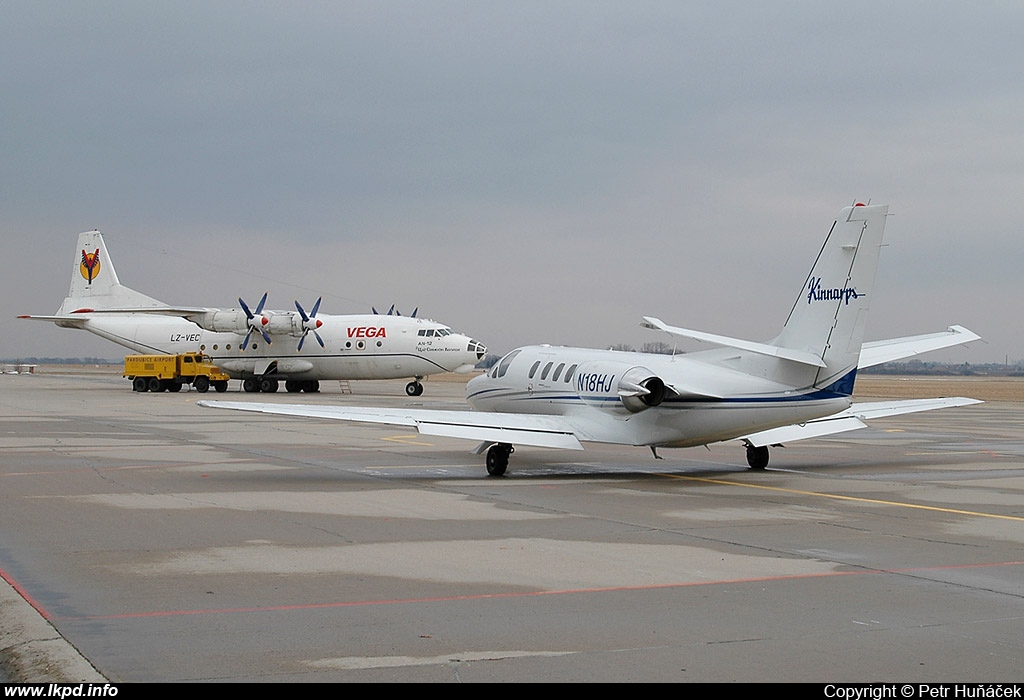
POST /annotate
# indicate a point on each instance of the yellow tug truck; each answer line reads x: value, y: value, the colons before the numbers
x: 169, y: 372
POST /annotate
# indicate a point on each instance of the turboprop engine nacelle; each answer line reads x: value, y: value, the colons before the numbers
x: 619, y: 385
x: 235, y: 321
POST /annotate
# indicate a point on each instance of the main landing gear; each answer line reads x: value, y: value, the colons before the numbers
x: 264, y: 385
x: 497, y: 458
x: 757, y: 457
x: 268, y: 385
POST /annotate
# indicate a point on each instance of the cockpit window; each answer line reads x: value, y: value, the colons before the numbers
x: 506, y: 361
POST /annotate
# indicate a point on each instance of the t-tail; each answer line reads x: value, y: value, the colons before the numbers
x: 94, y: 282
x: 830, y: 313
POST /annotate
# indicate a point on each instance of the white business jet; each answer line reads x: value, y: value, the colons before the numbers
x: 797, y: 386
x: 259, y: 346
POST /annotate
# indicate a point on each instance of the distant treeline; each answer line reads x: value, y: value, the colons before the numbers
x: 957, y: 369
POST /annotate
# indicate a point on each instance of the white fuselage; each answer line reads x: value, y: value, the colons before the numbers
x: 601, y: 392
x: 366, y: 346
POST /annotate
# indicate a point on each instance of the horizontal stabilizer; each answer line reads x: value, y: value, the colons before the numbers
x: 538, y: 431
x: 70, y: 321
x: 80, y: 315
x: 880, y: 351
x: 852, y: 419
x: 805, y: 358
x: 804, y: 431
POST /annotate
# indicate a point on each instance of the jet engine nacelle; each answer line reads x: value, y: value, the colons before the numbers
x: 618, y: 385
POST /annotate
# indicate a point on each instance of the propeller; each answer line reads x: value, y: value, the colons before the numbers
x: 256, y: 320
x: 310, y: 322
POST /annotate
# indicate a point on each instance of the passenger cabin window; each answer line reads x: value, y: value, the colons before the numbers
x: 547, y: 368
x: 569, y: 373
x: 558, y: 371
x: 503, y: 365
x: 533, y: 370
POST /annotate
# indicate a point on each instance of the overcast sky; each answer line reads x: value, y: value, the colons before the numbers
x: 522, y: 171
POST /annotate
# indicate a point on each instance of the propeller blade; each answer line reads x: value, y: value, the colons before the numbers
x: 252, y: 320
x: 310, y: 322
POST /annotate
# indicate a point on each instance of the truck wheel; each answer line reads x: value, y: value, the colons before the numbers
x: 173, y: 386
x: 139, y: 384
x: 202, y: 384
x: 221, y: 386
x: 154, y: 385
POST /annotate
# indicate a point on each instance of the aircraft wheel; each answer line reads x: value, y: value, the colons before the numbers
x: 221, y: 386
x: 154, y: 385
x: 757, y: 457
x: 497, y: 459
x: 292, y: 386
x: 268, y: 386
x: 139, y: 384
x: 250, y: 386
x: 311, y: 387
x: 202, y: 384
x: 413, y: 388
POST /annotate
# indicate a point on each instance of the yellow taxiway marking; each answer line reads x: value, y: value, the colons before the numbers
x: 838, y: 497
x: 408, y: 440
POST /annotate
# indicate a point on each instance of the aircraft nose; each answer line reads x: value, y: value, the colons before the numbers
x: 478, y: 348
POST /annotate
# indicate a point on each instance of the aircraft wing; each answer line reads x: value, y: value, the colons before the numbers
x: 536, y: 430
x: 851, y: 419
x: 879, y: 351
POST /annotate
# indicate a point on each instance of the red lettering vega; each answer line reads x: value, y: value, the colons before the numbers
x: 367, y: 332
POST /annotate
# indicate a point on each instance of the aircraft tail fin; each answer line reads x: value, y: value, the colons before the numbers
x: 828, y: 318
x: 94, y: 282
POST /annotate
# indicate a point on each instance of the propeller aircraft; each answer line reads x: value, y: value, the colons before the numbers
x: 257, y: 345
